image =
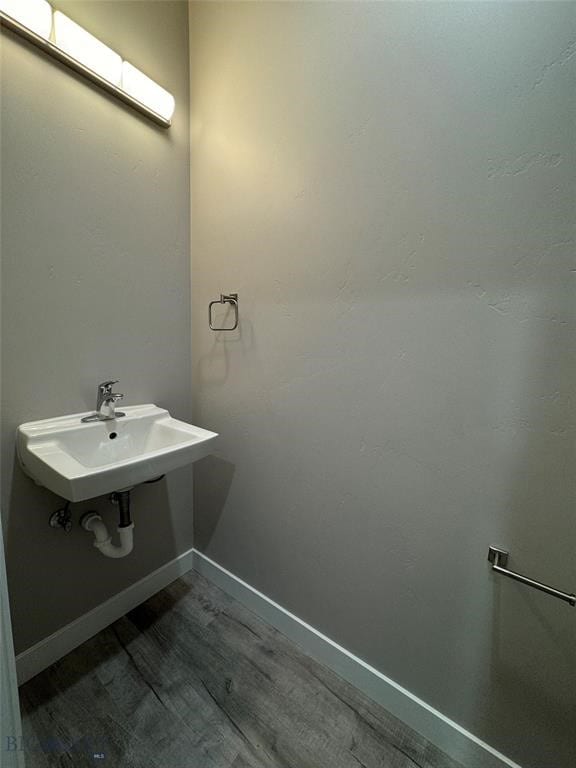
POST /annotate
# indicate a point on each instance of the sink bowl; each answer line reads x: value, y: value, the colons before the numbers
x: 80, y: 461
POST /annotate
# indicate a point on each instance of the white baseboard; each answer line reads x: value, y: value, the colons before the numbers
x: 47, y: 651
x: 450, y: 737
x: 447, y: 735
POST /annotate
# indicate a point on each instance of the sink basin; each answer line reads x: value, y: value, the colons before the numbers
x: 80, y: 461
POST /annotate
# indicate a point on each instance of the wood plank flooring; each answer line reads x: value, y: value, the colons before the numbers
x: 192, y: 679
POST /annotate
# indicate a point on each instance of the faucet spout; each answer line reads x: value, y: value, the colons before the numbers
x: 107, y: 409
x: 106, y: 403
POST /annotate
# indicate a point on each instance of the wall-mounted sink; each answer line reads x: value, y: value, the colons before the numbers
x: 82, y: 460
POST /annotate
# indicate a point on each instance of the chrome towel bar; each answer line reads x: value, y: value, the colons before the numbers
x: 230, y: 298
x: 499, y: 559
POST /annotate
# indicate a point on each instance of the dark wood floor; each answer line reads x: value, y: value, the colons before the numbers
x: 192, y: 679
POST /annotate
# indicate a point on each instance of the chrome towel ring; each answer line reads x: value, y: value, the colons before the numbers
x: 225, y: 298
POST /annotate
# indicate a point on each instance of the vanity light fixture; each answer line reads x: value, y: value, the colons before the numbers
x: 146, y: 91
x: 71, y: 44
x: 87, y: 49
x: 35, y: 15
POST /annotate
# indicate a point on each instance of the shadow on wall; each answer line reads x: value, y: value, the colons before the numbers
x: 214, y: 365
x: 213, y: 475
x: 524, y: 693
x: 212, y: 482
x: 62, y: 576
x: 533, y: 651
x: 104, y: 651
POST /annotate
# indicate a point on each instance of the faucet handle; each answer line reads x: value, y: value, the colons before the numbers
x: 106, y: 387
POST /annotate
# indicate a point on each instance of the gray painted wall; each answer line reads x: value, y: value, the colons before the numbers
x: 10, y: 723
x: 95, y: 260
x: 390, y: 188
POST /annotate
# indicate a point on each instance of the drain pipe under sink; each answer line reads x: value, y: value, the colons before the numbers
x: 92, y: 522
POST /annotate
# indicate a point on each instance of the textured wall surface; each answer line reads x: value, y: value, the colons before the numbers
x: 95, y: 266
x: 390, y: 188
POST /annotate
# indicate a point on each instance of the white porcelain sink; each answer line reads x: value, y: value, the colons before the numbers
x: 82, y: 460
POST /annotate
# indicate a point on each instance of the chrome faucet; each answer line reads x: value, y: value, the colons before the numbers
x: 105, y: 403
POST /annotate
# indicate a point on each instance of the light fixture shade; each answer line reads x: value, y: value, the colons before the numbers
x: 36, y: 15
x: 87, y: 49
x: 146, y: 91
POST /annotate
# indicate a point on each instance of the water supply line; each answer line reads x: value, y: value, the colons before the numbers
x: 92, y: 522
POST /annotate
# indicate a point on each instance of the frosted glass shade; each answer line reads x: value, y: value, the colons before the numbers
x: 87, y: 49
x: 146, y: 91
x: 36, y: 15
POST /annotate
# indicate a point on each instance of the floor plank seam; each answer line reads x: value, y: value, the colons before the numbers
x: 226, y: 714
x: 136, y: 666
